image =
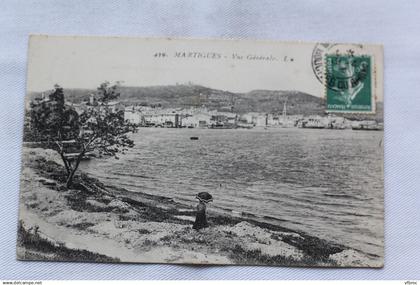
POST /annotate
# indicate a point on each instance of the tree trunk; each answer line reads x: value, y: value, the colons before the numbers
x: 70, y: 176
x: 65, y: 162
x: 69, y: 181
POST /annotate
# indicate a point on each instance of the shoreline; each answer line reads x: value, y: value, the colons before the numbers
x: 113, y: 224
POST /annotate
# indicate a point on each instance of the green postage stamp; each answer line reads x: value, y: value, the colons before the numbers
x: 348, y: 83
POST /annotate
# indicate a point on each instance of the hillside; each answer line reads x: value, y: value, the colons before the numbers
x: 267, y: 101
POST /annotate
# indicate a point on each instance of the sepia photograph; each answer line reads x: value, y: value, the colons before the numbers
x: 185, y: 151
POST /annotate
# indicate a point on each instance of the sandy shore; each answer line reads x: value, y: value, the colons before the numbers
x: 95, y: 222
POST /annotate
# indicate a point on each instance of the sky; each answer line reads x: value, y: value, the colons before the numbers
x: 231, y: 65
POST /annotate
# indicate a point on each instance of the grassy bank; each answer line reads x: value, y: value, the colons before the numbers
x: 39, y: 248
x: 111, y: 224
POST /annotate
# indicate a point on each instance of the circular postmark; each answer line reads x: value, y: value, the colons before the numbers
x: 322, y: 49
x: 345, y: 71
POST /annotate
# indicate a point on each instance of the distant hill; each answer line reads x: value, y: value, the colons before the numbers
x: 265, y: 101
x: 273, y: 102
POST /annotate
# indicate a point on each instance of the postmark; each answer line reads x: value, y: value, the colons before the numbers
x: 322, y: 49
x: 347, y: 75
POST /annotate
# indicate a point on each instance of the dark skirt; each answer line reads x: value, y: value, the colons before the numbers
x: 200, y: 221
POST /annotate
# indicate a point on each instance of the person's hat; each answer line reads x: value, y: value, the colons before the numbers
x: 204, y: 197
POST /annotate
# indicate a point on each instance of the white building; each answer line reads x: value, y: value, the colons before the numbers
x: 132, y: 115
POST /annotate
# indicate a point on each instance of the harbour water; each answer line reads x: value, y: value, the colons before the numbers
x: 327, y: 183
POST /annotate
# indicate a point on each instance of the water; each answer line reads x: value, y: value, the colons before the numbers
x: 327, y: 183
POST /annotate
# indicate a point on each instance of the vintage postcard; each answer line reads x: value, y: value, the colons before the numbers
x: 202, y: 152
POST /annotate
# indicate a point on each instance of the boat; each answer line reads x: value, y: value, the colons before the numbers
x: 244, y: 125
x: 312, y: 125
x: 194, y: 138
x: 368, y: 127
x: 220, y: 125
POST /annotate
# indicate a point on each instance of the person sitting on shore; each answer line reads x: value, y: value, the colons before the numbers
x: 200, y: 218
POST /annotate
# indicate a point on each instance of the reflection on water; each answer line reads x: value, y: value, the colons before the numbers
x: 328, y: 183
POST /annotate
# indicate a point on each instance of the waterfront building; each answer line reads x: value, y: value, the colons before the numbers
x: 196, y: 120
x: 132, y: 115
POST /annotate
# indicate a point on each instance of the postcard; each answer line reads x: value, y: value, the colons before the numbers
x: 240, y: 152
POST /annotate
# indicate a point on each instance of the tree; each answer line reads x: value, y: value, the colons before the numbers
x: 98, y: 127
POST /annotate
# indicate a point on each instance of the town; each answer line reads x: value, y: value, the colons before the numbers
x: 203, y: 117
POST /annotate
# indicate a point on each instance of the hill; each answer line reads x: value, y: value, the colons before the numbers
x: 265, y: 101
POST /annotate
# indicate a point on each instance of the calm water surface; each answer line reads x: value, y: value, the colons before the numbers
x: 328, y: 183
